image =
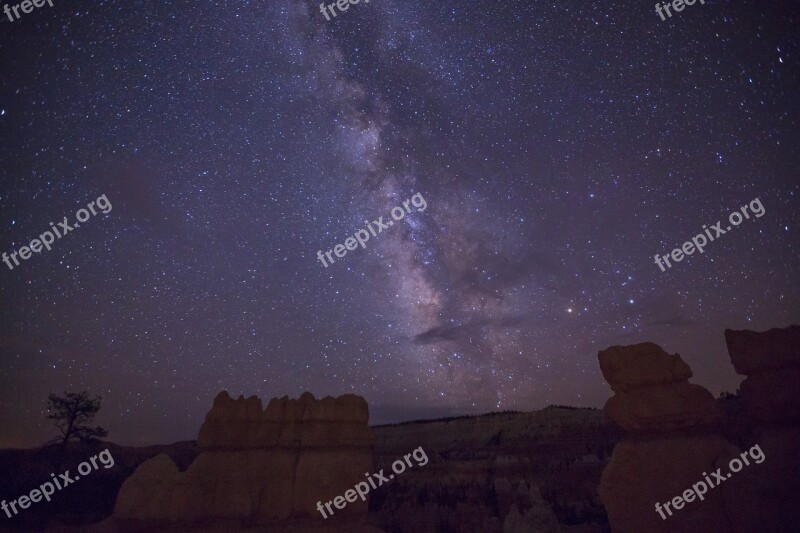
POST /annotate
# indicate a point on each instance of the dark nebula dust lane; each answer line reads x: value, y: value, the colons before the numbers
x: 558, y: 148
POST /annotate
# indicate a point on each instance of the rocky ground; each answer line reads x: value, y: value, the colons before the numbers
x: 503, y: 472
x: 497, y: 472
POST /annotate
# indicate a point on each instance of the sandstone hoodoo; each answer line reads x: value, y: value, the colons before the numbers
x: 670, y: 441
x: 771, y: 362
x: 638, y: 365
x: 771, y: 396
x: 653, y: 392
x: 258, y: 466
x: 673, y: 440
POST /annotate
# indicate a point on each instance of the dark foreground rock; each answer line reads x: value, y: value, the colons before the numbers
x: 675, y: 439
x: 670, y: 442
x: 84, y: 502
x: 771, y: 396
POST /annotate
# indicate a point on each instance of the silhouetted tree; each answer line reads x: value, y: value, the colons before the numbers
x: 71, y: 413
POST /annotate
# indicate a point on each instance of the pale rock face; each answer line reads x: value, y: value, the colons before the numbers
x: 524, y: 508
x: 259, y: 465
x: 303, y: 422
x: 152, y: 489
x: 535, y: 516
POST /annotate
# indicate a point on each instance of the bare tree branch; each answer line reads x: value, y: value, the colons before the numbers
x: 72, y: 413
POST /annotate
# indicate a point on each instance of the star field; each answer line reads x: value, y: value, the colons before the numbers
x: 558, y: 147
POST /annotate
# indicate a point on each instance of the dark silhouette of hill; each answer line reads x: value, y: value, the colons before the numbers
x: 85, y: 501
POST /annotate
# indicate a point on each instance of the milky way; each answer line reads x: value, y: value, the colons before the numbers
x: 559, y: 147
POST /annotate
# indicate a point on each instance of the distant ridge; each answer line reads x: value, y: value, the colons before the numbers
x: 489, y: 414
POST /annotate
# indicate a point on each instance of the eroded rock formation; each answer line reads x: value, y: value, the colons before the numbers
x: 771, y: 362
x: 259, y: 466
x: 673, y: 439
x: 771, y: 395
x: 527, y: 510
x: 653, y: 392
x: 670, y: 442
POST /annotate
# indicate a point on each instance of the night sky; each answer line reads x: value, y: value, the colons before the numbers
x: 558, y: 145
